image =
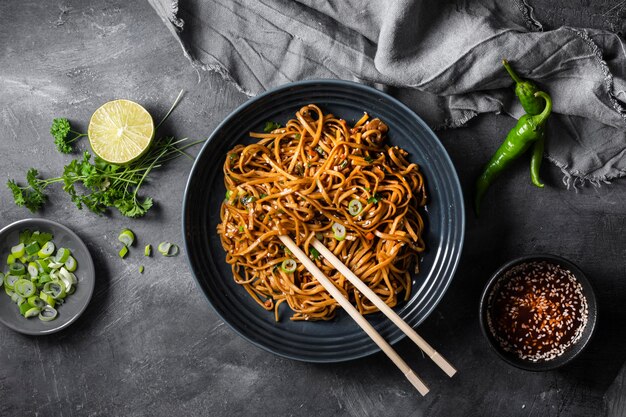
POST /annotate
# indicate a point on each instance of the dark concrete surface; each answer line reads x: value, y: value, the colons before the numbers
x: 149, y: 345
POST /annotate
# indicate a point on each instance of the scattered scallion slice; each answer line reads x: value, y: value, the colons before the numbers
x: 167, y: 249
x: 123, y: 252
x: 42, y: 266
x: 24, y: 307
x: 141, y: 269
x: 32, y: 312
x: 43, y: 278
x: 147, y: 251
x: 48, y: 313
x: 24, y: 288
x: 339, y: 231
x: 47, y: 298
x: 18, y: 250
x: 289, y: 266
x: 71, y: 264
x: 35, y: 301
x: 62, y: 255
x: 33, y: 269
x: 10, y: 280
x: 46, y: 250
x: 56, y: 289
x: 127, y: 237
x: 17, y: 268
x: 355, y: 207
x: 32, y: 248
x: 10, y: 259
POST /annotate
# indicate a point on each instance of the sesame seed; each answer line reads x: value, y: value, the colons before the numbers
x: 539, y: 305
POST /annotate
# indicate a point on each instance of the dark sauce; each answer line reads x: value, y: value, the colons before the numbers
x: 537, y: 310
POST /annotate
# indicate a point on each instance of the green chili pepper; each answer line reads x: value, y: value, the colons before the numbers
x: 535, y: 160
x: 529, y: 129
x: 525, y: 90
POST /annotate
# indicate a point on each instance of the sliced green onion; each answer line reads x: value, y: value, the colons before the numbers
x: 16, y: 298
x: 33, y: 269
x: 24, y: 288
x: 17, y: 268
x: 55, y: 265
x: 55, y: 289
x: 62, y: 255
x: 339, y: 231
x: 35, y: 301
x: 141, y: 269
x: 1, y: 278
x: 47, y: 298
x: 71, y: 264
x: 315, y: 254
x: 355, y: 207
x: 70, y: 277
x: 167, y: 249
x: 10, y: 280
x: 123, y: 252
x: 42, y: 266
x: 127, y: 237
x: 18, y: 250
x: 289, y: 266
x: 46, y: 250
x: 32, y: 312
x: 48, y: 313
x: 24, y: 307
x: 43, y: 278
x: 147, y: 251
x: 32, y: 248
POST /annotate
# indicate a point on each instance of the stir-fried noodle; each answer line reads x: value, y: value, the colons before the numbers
x: 319, y: 177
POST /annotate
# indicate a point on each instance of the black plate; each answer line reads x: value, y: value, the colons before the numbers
x: 340, y: 339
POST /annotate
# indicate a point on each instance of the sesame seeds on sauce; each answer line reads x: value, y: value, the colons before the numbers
x: 537, y: 310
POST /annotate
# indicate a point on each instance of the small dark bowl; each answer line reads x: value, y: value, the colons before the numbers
x: 574, y: 350
x: 74, y: 305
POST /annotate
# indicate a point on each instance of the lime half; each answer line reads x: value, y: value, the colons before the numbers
x: 120, y: 131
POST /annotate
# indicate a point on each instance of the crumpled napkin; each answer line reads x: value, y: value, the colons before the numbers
x: 442, y: 58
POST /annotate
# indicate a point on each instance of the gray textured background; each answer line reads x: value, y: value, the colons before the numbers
x: 150, y: 345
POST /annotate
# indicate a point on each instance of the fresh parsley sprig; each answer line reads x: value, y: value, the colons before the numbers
x: 63, y: 135
x: 98, y: 185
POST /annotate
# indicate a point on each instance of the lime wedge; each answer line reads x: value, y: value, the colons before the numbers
x: 120, y: 131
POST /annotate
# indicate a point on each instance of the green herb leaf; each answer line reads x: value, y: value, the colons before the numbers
x: 315, y: 255
x: 270, y: 126
x: 374, y: 199
x: 246, y: 199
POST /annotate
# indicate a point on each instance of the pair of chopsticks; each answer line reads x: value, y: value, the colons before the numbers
x: 360, y: 320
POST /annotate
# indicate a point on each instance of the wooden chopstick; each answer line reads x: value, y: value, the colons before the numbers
x: 387, y: 311
x: 356, y: 316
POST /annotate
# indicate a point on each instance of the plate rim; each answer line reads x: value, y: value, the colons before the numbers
x: 328, y: 82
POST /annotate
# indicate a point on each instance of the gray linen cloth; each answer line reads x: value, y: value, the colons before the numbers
x: 442, y: 58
